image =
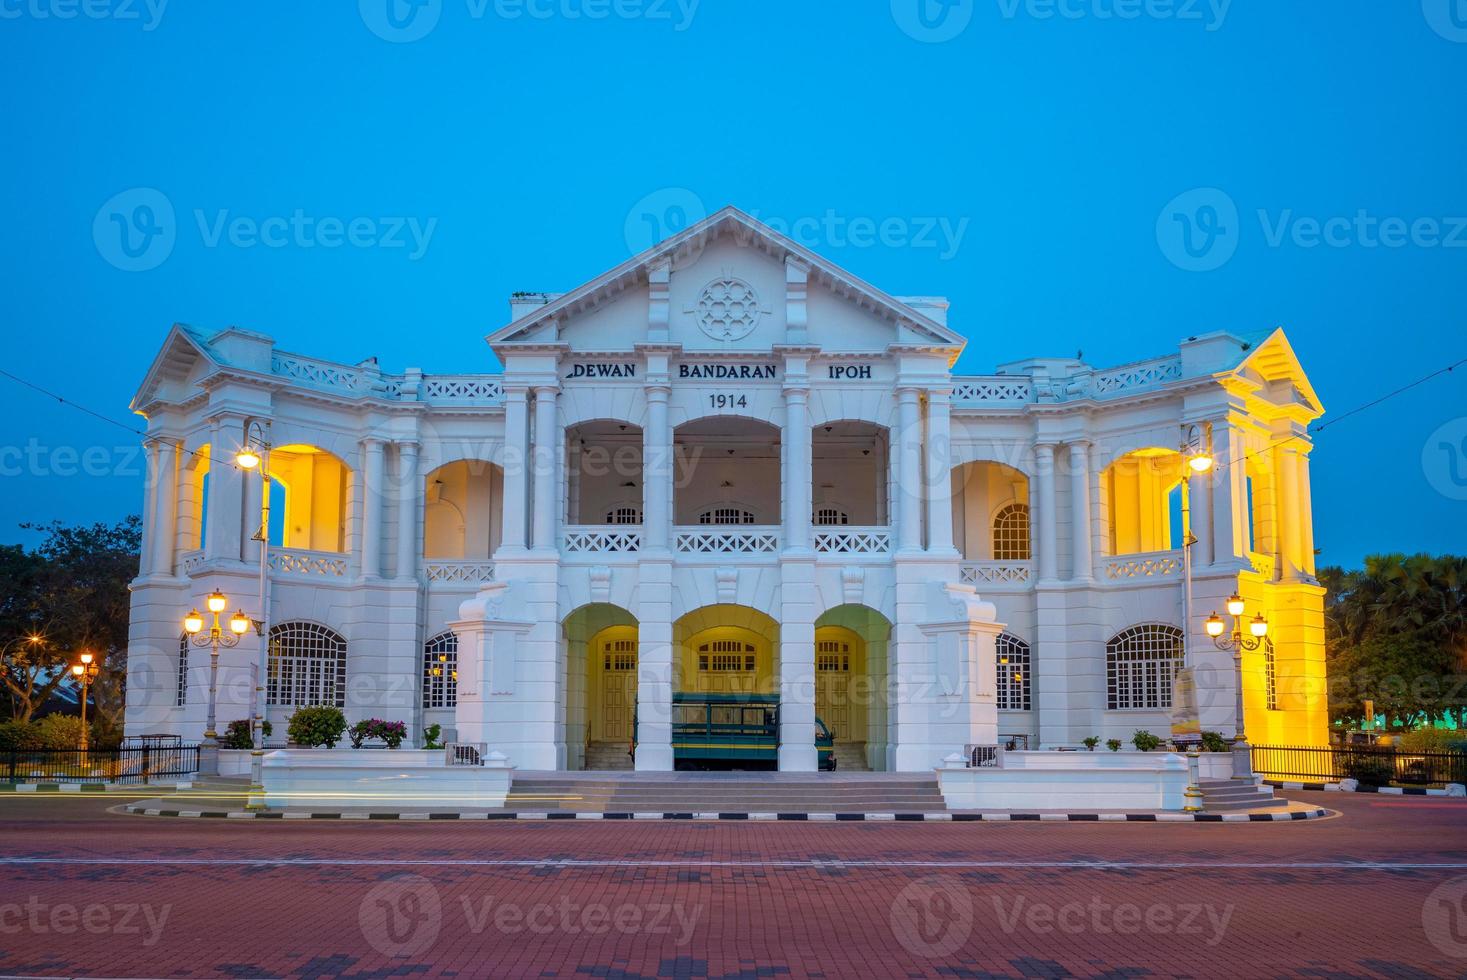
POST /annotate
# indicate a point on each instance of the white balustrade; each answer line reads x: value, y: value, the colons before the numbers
x: 998, y: 390
x: 345, y: 379
x: 189, y: 561
x: 472, y: 572
x: 1263, y: 565
x: 461, y: 389
x: 320, y: 374
x: 312, y: 564
x: 601, y: 539
x: 743, y: 539
x: 1149, y: 565
x: 996, y: 574
x: 852, y: 540
x: 1139, y: 375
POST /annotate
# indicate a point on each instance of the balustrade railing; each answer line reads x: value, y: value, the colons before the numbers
x: 1263, y: 565
x: 995, y: 391
x: 601, y: 539
x: 313, y: 564
x: 741, y: 539
x: 189, y: 561
x: 996, y: 574
x: 1148, y: 565
x: 357, y: 381
x: 844, y: 540
x: 460, y: 572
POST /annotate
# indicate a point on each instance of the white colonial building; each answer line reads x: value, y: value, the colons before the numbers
x: 729, y: 465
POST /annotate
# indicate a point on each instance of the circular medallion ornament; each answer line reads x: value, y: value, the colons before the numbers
x: 728, y: 309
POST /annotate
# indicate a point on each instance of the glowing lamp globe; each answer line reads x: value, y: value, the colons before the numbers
x: 217, y: 602
x: 1214, y: 625
x: 239, y: 623
x: 193, y: 622
x: 247, y: 458
x: 1235, y: 605
x: 1259, y: 626
x: 1200, y: 463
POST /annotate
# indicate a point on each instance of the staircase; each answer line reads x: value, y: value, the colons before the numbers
x: 1220, y: 795
x: 731, y: 792
x: 608, y: 757
x: 851, y: 757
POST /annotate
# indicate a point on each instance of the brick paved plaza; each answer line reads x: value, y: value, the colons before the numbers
x: 1370, y: 893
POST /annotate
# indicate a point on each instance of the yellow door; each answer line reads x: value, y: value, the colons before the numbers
x: 726, y: 667
x: 832, y: 686
x: 618, y: 689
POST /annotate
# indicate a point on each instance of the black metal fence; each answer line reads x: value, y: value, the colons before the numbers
x: 1373, y: 765
x: 128, y: 764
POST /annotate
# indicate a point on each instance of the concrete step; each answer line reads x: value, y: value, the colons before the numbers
x: 1219, y: 795
x: 648, y: 792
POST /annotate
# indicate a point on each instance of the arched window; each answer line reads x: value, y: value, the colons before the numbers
x: 1270, y: 676
x: 829, y: 516
x: 726, y: 515
x: 1011, y: 533
x: 624, y: 514
x: 307, y: 666
x: 181, y: 697
x: 1013, y: 673
x: 1140, y: 663
x: 440, y: 671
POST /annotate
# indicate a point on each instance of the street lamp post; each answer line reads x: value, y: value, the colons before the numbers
x: 85, y: 672
x: 255, y: 454
x: 214, y: 638
x: 1238, y: 641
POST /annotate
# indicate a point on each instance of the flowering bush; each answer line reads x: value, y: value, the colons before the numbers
x: 390, y: 732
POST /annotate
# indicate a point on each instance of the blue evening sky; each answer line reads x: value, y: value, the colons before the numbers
x: 536, y: 142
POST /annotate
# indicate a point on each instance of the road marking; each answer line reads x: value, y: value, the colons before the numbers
x: 825, y: 863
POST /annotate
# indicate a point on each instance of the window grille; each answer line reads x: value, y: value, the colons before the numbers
x: 829, y: 516
x: 624, y: 515
x: 1270, y: 675
x: 1140, y: 663
x: 440, y: 671
x: 619, y: 655
x: 307, y: 666
x: 1012, y: 673
x: 726, y: 656
x: 726, y: 515
x: 181, y: 697
x: 1011, y: 533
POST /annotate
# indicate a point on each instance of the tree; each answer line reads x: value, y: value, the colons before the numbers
x: 1396, y: 634
x: 30, y: 666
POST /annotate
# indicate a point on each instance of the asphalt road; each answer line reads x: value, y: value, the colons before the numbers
x: 1379, y: 891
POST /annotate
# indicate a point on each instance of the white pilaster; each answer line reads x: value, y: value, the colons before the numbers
x: 1305, y: 514
x: 372, y: 490
x: 516, y: 467
x: 939, y: 473
x: 547, y: 452
x: 409, y: 503
x: 657, y: 471
x: 1229, y: 496
x: 797, y: 475
x: 909, y: 471
x: 222, y: 537
x: 163, y: 490
x: 1083, y: 571
x: 1044, y: 517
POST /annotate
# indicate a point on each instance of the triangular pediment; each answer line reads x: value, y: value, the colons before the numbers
x: 184, y: 358
x: 1273, y: 366
x: 728, y: 283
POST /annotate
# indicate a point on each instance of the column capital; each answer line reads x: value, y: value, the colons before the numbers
x: 940, y: 394
x: 796, y: 391
x: 407, y: 447
x: 370, y: 443
x: 659, y: 390
x: 546, y: 390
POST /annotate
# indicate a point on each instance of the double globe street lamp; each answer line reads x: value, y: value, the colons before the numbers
x: 85, y: 672
x: 214, y: 638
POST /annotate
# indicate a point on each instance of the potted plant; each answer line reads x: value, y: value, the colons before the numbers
x: 430, y: 737
x: 1091, y: 742
x: 1114, y: 744
x: 1145, y: 741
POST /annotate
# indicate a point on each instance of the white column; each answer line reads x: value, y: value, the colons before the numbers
x: 1304, y: 513
x: 909, y: 471
x: 409, y: 502
x: 164, y: 490
x: 1201, y: 498
x: 1229, y: 495
x: 254, y: 504
x: 1083, y: 572
x: 547, y: 451
x: 1044, y: 516
x: 939, y: 472
x: 656, y: 472
x: 1291, y: 564
x: 372, y: 489
x: 516, y: 466
x: 221, y: 536
x: 797, y: 475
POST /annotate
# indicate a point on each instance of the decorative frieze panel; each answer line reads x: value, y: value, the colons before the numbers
x: 1155, y: 565
x: 998, y: 390
x: 189, y: 561
x: 853, y: 540
x: 727, y: 541
x: 1142, y: 374
x: 314, y: 564
x: 599, y: 540
x: 459, y: 572
x: 467, y: 389
x: 1263, y: 565
x: 319, y: 374
x: 996, y: 574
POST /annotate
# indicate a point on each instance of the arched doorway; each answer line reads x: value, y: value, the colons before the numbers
x: 601, y: 686
x: 851, y: 686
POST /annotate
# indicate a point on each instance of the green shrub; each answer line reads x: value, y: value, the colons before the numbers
x: 19, y: 735
x: 1432, y: 740
x: 1145, y: 741
x: 239, y: 736
x: 1368, y: 768
x: 1114, y: 744
x: 319, y: 726
x: 60, y: 732
x: 1214, y: 742
x: 430, y: 737
x: 1091, y: 742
